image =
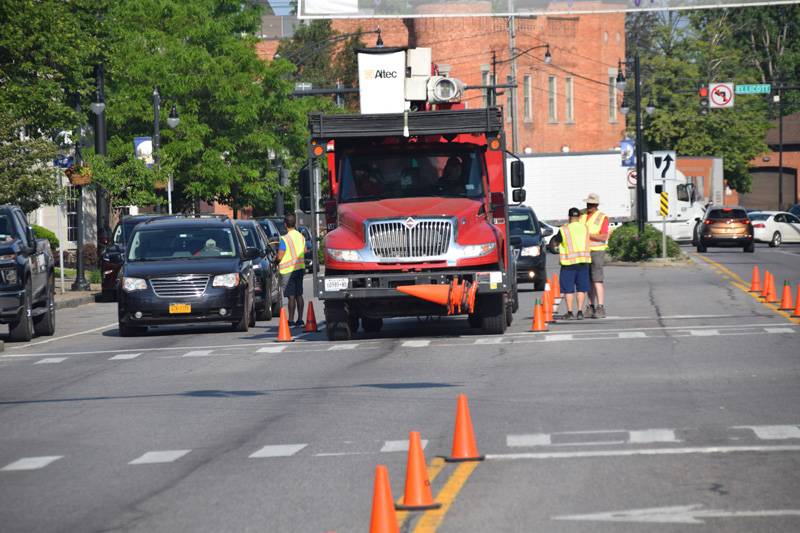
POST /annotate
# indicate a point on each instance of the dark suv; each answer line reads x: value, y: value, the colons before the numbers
x: 527, y: 243
x: 725, y: 226
x: 111, y: 260
x: 186, y: 270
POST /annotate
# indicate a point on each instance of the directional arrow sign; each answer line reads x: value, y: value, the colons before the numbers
x: 661, y: 165
x: 679, y: 514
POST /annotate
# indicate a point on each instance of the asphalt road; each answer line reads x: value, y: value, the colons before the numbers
x: 679, y: 412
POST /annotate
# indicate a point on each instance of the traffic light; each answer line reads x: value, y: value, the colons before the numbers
x: 703, y: 92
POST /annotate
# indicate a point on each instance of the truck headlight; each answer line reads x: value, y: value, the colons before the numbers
x: 133, y: 284
x: 531, y: 251
x: 343, y: 255
x: 228, y: 281
x: 478, y: 250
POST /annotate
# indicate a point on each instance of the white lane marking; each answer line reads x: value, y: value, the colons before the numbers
x: 492, y: 340
x: 655, y: 328
x: 124, y: 356
x: 339, y: 347
x: 632, y: 335
x: 648, y: 436
x: 646, y: 451
x: 50, y: 360
x: 531, y: 439
x: 703, y: 332
x: 278, y: 450
x: 161, y: 456
x: 416, y: 344
x: 53, y: 339
x: 779, y: 330
x: 774, y: 432
x: 678, y: 514
x: 399, y: 445
x: 198, y: 353
x: 30, y: 463
x: 340, y: 454
x: 271, y: 349
x: 560, y: 337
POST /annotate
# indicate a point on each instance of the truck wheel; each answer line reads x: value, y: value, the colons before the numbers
x: 474, y: 320
x: 45, y: 324
x: 509, y: 314
x: 338, y: 331
x: 131, y: 331
x: 22, y: 329
x: 371, y: 325
x: 352, y: 321
x: 493, y: 314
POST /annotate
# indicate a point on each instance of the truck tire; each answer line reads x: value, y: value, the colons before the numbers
x: 474, y: 320
x: 22, y: 329
x: 337, y: 322
x: 493, y: 314
x: 126, y: 330
x: 371, y: 325
x: 509, y: 314
x: 338, y: 331
x: 45, y: 324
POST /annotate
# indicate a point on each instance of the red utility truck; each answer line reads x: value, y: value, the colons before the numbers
x: 416, y: 209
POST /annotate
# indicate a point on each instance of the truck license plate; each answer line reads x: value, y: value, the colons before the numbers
x: 176, y: 309
x: 335, y: 284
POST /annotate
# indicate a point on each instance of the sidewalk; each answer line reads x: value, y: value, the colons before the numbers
x: 72, y: 298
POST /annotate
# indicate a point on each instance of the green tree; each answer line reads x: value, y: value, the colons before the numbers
x: 27, y: 176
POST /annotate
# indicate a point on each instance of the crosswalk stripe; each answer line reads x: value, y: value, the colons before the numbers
x: 559, y: 337
x: 647, y: 436
x: 277, y: 450
x: 531, y: 439
x: 399, y: 445
x: 632, y: 335
x: 416, y: 344
x: 779, y: 330
x: 123, y: 356
x: 492, y: 340
x: 774, y: 432
x: 271, y: 349
x: 160, y: 456
x: 339, y: 347
x: 703, y: 332
x: 30, y: 463
x: 197, y: 353
x: 50, y: 360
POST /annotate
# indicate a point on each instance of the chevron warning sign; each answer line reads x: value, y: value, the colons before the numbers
x: 664, y: 208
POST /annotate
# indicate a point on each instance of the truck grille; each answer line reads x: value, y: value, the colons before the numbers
x: 410, y: 238
x: 191, y: 285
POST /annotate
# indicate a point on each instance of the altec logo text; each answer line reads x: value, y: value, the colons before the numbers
x: 380, y: 73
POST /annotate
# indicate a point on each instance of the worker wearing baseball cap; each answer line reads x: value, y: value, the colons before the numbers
x: 573, y: 245
x: 597, y: 223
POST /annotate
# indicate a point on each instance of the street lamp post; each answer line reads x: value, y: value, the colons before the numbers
x: 172, y: 121
x: 80, y: 283
x: 98, y: 107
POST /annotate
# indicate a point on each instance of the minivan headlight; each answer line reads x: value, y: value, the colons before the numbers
x: 228, y: 281
x: 531, y: 251
x: 133, y: 284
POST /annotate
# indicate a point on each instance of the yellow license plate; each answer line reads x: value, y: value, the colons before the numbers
x: 175, y: 309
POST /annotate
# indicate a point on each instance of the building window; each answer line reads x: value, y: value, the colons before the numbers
x: 570, y: 108
x: 527, y: 100
x: 612, y: 98
x: 486, y: 79
x: 552, y: 114
x: 72, y: 212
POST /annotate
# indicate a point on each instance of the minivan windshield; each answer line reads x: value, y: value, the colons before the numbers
x: 159, y: 244
x: 523, y: 224
x: 6, y: 229
x: 378, y: 176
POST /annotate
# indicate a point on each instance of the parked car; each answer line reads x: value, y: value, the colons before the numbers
x: 775, y: 227
x: 272, y: 231
x: 279, y: 223
x: 725, y: 226
x: 527, y: 244
x: 27, y: 279
x: 186, y: 270
x: 308, y: 255
x: 268, y: 292
x: 113, y: 255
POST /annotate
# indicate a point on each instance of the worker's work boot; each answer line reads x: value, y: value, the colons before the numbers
x: 600, y: 312
x: 590, y: 312
x: 567, y: 316
x: 580, y: 315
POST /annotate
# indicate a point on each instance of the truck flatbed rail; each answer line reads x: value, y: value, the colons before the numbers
x: 444, y: 122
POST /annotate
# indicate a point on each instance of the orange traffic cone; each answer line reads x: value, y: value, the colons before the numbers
x: 765, y: 287
x: 284, y: 335
x: 539, y: 323
x: 311, y: 319
x: 556, y: 287
x: 772, y: 295
x: 464, y: 447
x: 383, y: 519
x: 438, y: 294
x: 547, y: 305
x: 755, y: 283
x: 418, y: 495
x: 796, y: 313
x: 786, y: 297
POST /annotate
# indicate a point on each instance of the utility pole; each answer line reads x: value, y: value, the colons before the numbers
x: 641, y: 185
x: 512, y: 36
x: 780, y: 147
x: 103, y: 207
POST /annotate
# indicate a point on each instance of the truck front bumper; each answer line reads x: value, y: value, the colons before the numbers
x: 11, y: 304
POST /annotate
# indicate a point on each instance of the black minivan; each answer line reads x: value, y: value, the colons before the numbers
x: 184, y: 271
x: 527, y: 243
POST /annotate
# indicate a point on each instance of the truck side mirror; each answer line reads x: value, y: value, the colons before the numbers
x: 517, y: 174
x: 304, y: 183
x: 518, y: 195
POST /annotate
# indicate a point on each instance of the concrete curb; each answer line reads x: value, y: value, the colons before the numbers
x: 75, y: 302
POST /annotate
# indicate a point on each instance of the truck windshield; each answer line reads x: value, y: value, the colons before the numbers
x: 376, y: 176
x: 6, y: 229
x: 181, y: 243
x: 523, y: 224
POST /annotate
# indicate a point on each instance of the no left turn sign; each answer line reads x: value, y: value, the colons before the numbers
x: 720, y: 95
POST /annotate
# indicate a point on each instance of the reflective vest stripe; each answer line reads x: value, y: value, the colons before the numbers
x: 292, y: 260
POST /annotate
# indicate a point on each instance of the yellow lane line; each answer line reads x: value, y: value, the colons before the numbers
x: 436, y: 466
x: 745, y: 288
x: 432, y: 519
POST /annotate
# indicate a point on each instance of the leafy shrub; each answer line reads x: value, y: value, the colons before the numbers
x: 94, y: 276
x: 44, y: 233
x: 625, y: 244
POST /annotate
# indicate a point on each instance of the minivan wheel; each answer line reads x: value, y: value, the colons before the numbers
x: 776, y: 240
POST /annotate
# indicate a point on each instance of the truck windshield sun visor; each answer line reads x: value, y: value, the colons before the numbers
x: 425, y: 173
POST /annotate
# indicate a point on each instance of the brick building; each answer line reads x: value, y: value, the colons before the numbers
x: 568, y: 105
x: 764, y: 169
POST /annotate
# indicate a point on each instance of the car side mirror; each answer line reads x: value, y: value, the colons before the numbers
x: 546, y: 232
x: 516, y: 240
x: 252, y: 253
x: 518, y: 196
x: 517, y: 174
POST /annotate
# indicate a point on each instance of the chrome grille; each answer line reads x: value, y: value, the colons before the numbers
x: 186, y: 286
x: 394, y: 239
